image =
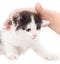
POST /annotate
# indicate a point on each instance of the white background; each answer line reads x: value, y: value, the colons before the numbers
x: 49, y: 39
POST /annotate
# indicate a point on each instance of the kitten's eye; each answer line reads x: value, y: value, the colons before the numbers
x: 23, y: 28
x: 38, y: 27
x: 10, y: 23
x: 28, y: 30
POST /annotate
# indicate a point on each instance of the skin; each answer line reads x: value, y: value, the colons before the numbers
x: 48, y: 15
x: 52, y: 16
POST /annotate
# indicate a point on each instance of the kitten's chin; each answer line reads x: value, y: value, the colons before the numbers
x: 33, y: 37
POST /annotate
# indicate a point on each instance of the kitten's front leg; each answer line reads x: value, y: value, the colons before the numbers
x: 11, y: 52
x: 41, y: 51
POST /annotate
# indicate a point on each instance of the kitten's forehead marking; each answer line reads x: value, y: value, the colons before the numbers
x: 32, y: 25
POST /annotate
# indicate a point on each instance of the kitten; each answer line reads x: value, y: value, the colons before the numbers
x: 23, y: 34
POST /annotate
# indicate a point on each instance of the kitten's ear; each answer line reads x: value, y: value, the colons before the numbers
x: 45, y: 23
x: 16, y: 16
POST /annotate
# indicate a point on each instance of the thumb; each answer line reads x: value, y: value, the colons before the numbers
x: 43, y: 13
x: 39, y: 9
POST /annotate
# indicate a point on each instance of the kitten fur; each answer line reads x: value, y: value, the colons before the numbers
x: 23, y: 34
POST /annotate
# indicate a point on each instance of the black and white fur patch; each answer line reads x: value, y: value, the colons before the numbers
x: 22, y: 19
x: 22, y: 35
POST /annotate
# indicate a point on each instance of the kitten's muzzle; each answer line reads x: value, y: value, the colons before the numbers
x: 34, y: 36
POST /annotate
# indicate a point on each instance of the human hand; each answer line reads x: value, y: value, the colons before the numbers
x: 51, y: 16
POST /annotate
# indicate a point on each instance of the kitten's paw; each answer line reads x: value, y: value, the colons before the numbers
x: 51, y: 57
x: 12, y: 57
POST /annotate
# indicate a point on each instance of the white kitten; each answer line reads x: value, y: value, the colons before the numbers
x: 25, y: 27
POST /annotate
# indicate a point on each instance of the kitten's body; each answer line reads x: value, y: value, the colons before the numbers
x: 23, y: 35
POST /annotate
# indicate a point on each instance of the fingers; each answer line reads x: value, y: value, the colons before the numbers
x: 7, y: 26
x: 20, y: 10
x: 6, y: 22
x: 38, y: 8
x: 43, y: 12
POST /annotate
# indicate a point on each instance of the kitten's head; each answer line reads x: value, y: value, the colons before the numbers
x: 26, y: 22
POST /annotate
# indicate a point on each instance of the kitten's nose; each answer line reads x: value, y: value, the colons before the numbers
x: 34, y: 36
